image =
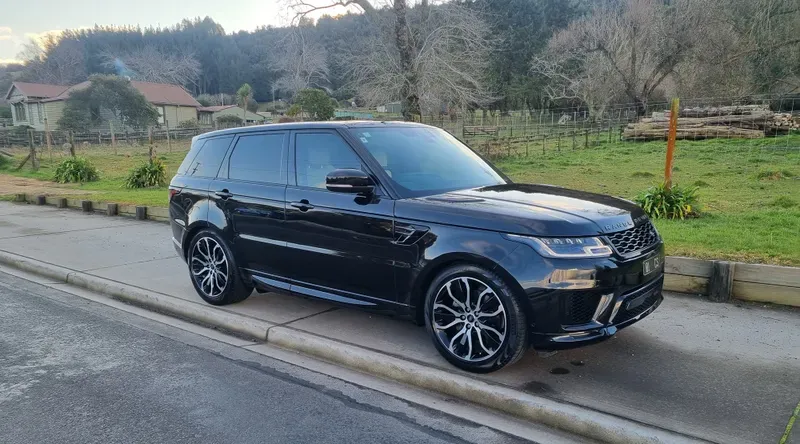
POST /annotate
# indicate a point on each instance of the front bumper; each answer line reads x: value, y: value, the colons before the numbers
x: 574, y: 302
x: 623, y: 311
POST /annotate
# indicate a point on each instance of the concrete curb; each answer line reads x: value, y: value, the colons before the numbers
x: 756, y: 282
x: 567, y: 417
x: 204, y: 314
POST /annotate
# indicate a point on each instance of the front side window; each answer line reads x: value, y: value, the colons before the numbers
x: 317, y: 154
x: 40, y: 111
x: 207, y: 161
x: 422, y: 161
x: 258, y: 158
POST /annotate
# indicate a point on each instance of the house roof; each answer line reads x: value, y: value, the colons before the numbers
x: 39, y: 90
x: 215, y: 108
x: 157, y: 93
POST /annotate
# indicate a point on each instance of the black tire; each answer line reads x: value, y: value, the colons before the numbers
x: 508, y: 348
x: 215, y: 290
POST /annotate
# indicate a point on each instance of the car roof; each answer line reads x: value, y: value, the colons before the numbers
x: 309, y: 125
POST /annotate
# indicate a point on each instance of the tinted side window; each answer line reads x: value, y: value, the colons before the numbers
x: 208, y: 160
x: 196, y: 147
x: 258, y: 158
x: 317, y: 154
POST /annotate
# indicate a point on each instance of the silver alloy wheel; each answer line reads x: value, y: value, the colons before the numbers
x: 209, y: 266
x: 469, y: 319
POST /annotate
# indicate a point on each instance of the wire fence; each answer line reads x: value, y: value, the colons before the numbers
x: 754, y: 123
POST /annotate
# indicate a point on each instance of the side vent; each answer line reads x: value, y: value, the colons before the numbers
x: 407, y: 234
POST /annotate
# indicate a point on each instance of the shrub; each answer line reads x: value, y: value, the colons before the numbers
x: 191, y: 123
x: 148, y: 174
x: 783, y: 202
x: 229, y: 120
x: 774, y: 174
x: 642, y: 174
x: 661, y: 201
x: 3, y: 161
x: 75, y: 170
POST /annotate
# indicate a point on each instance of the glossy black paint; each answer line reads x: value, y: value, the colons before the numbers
x: 349, y: 181
x: 379, y: 251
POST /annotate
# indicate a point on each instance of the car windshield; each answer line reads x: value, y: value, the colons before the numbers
x: 421, y: 161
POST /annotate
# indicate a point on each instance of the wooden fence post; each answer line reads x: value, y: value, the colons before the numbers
x: 48, y: 137
x: 720, y: 285
x: 169, y: 143
x: 32, y: 147
x: 113, y: 137
x: 673, y: 131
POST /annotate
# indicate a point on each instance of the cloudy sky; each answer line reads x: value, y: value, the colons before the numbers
x: 30, y: 18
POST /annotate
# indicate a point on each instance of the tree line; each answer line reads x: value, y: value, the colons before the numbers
x: 476, y: 54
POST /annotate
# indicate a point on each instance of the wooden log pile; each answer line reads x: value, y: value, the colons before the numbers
x: 740, y: 122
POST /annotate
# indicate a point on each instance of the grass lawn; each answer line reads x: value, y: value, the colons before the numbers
x: 113, y: 167
x: 749, y: 189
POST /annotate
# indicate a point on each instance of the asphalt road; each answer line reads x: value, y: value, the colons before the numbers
x: 73, y: 371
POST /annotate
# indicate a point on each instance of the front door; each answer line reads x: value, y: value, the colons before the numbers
x: 252, y: 188
x: 337, y: 242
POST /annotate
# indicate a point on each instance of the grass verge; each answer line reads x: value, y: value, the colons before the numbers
x: 749, y: 189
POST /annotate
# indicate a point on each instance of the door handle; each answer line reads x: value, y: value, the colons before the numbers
x: 303, y: 205
x: 223, y: 194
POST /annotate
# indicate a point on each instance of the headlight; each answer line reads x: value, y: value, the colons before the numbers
x: 565, y: 247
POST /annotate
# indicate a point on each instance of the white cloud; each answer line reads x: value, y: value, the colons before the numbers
x: 9, y: 61
x: 38, y: 36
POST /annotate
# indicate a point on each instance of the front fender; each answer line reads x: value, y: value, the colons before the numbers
x: 445, y: 246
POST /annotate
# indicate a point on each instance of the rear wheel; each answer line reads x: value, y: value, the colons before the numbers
x: 476, y: 322
x: 213, y: 270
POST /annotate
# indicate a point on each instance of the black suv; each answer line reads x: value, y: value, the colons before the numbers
x: 404, y: 218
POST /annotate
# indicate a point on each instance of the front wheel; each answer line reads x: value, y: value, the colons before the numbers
x: 213, y: 270
x: 475, y: 320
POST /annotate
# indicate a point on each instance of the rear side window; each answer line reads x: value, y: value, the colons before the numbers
x: 259, y: 158
x: 209, y: 157
x: 197, y: 145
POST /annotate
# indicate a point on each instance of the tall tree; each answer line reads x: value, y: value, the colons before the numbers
x: 244, y: 94
x: 107, y: 95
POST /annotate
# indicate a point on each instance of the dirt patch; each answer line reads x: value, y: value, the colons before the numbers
x: 18, y: 185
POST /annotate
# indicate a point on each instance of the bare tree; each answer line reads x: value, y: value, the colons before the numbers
x: 54, y: 59
x: 640, y: 43
x: 301, y: 63
x: 151, y: 65
x: 424, y: 56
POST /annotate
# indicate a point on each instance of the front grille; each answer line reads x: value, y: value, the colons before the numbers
x: 624, y: 315
x: 579, y: 307
x: 634, y: 239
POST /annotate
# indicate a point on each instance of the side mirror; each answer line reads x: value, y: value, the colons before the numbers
x: 349, y: 181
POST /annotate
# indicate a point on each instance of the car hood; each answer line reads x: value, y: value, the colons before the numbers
x: 537, y: 210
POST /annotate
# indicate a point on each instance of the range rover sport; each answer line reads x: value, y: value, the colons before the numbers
x: 404, y: 218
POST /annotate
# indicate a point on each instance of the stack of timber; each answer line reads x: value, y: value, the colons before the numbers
x: 740, y: 122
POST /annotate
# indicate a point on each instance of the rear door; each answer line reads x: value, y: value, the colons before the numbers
x: 252, y: 189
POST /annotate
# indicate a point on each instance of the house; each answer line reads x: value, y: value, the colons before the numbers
x: 34, y: 103
x: 27, y: 103
x: 207, y: 115
x: 392, y: 108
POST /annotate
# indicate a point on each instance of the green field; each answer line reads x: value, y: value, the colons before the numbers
x: 749, y: 189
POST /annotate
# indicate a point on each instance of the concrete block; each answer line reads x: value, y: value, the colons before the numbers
x: 62, y: 203
x: 112, y: 209
x: 41, y: 199
x: 86, y: 206
x: 141, y: 213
